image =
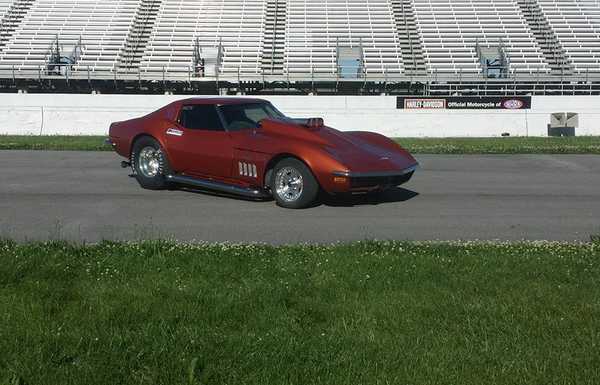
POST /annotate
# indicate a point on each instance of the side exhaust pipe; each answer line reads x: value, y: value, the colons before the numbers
x: 219, y: 186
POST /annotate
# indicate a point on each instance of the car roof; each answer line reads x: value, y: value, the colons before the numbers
x: 221, y: 100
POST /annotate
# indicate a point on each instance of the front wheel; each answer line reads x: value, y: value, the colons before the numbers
x: 150, y: 164
x: 293, y: 184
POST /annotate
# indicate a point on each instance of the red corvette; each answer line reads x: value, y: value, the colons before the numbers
x: 247, y: 147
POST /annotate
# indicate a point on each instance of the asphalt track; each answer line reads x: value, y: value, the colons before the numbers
x: 86, y: 196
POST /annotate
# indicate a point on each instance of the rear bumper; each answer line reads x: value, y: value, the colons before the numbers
x: 376, y: 180
x: 120, y: 146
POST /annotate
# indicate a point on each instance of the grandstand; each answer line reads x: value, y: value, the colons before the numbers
x: 451, y: 31
x: 234, y: 26
x: 301, y: 46
x: 577, y: 28
x: 99, y: 28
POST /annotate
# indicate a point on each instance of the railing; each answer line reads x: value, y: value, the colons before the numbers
x: 69, y: 72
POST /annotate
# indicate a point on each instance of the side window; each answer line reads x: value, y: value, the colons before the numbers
x: 256, y: 114
x: 200, y: 117
x: 242, y: 116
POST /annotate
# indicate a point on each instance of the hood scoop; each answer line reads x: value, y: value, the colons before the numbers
x: 294, y: 129
x: 313, y: 124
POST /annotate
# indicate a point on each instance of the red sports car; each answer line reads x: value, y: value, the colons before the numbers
x: 247, y: 147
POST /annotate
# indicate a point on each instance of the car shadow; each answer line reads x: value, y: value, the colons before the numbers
x: 217, y: 194
x: 394, y: 195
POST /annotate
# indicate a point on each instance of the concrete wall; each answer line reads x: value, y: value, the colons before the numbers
x: 54, y: 114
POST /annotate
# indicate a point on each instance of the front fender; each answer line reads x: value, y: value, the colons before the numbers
x: 380, y: 140
x: 322, y: 164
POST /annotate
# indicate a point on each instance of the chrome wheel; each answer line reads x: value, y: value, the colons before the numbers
x: 289, y: 184
x: 149, y: 162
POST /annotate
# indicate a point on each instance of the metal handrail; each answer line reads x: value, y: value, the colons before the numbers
x: 384, y: 74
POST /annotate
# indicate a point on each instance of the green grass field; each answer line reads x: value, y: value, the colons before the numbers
x: 512, y: 145
x: 365, y: 313
x: 54, y: 143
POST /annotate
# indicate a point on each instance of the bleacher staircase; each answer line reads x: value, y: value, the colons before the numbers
x: 493, y: 54
x: 551, y: 48
x: 408, y: 35
x: 274, y: 37
x: 139, y: 35
x: 12, y: 19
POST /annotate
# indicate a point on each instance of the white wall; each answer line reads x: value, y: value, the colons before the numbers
x: 55, y: 114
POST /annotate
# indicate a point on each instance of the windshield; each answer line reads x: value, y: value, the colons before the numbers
x: 247, y: 116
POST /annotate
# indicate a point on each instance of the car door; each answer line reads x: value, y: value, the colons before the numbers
x: 198, y: 143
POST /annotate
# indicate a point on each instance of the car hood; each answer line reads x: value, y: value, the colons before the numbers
x: 358, y: 152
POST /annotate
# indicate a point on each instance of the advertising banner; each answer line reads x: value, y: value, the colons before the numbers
x: 465, y: 103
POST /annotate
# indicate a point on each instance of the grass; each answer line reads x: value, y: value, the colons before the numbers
x: 365, y: 313
x: 511, y: 145
x: 54, y: 143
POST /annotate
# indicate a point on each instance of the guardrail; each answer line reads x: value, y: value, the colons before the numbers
x: 75, y: 72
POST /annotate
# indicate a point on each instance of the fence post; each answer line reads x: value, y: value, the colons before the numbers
x: 587, y: 74
x: 217, y: 79
x: 42, y: 120
x: 385, y: 80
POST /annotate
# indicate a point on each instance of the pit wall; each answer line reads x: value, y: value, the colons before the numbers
x: 86, y: 114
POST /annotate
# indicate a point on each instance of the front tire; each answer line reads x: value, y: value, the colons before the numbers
x: 150, y: 164
x: 293, y: 185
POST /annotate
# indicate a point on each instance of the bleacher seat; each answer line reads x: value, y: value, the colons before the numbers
x: 102, y: 26
x: 316, y: 28
x: 290, y: 38
x: 4, y: 6
x: 236, y: 24
x: 450, y: 30
x: 577, y: 27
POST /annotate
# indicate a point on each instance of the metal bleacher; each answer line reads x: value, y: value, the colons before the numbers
x: 317, y: 30
x: 100, y: 25
x: 281, y: 42
x: 236, y: 26
x: 577, y: 27
x: 451, y: 29
x: 4, y: 6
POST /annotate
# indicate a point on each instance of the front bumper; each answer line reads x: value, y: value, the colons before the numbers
x: 376, y: 180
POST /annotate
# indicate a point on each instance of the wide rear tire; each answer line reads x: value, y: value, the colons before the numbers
x: 150, y: 164
x: 293, y: 185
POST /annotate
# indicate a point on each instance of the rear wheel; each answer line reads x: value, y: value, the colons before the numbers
x: 150, y: 164
x: 293, y: 184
